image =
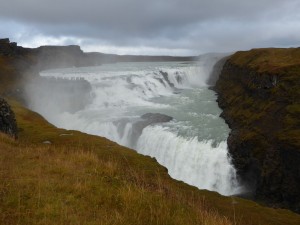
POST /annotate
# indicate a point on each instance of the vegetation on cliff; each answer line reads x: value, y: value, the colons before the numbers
x: 259, y: 92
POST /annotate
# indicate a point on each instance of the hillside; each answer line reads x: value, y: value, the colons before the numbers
x: 259, y: 93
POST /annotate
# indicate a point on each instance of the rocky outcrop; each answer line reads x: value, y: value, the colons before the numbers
x: 8, y: 123
x: 259, y: 93
x: 152, y: 118
x: 7, y: 48
x: 147, y: 120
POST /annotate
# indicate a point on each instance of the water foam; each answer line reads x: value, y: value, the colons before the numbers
x: 198, y: 163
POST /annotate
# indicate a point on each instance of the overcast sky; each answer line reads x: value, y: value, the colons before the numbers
x: 156, y: 27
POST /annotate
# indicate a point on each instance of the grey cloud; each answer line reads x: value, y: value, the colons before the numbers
x: 186, y: 24
x: 132, y: 14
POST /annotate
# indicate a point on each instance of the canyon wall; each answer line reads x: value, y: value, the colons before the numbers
x: 259, y: 92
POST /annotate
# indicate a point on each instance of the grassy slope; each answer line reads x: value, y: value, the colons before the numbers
x: 271, y: 60
x: 84, y: 179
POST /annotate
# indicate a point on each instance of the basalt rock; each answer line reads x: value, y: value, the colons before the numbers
x: 151, y: 118
x: 147, y: 120
x: 8, y: 48
x: 8, y: 123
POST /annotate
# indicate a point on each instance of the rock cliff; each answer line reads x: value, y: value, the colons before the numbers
x: 8, y: 123
x: 259, y: 92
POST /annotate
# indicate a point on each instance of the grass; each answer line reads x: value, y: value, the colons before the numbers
x: 270, y: 60
x: 85, y: 179
x: 50, y: 192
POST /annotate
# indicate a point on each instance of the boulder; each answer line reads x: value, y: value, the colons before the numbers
x: 147, y: 120
x: 8, y: 123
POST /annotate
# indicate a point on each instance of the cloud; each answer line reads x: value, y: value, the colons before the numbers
x: 153, y: 27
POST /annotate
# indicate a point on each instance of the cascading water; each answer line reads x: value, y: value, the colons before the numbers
x: 164, y: 110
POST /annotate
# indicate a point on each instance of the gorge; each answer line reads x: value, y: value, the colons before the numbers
x: 252, y: 88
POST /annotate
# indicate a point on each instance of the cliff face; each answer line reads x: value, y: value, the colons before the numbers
x: 49, y: 57
x: 7, y: 48
x: 259, y: 91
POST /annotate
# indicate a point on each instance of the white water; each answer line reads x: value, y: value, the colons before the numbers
x: 192, y: 145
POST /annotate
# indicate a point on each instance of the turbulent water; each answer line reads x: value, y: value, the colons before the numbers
x: 192, y: 145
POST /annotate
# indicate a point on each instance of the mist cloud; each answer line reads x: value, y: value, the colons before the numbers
x: 153, y: 27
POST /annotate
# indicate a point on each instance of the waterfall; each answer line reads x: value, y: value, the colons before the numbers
x: 164, y: 110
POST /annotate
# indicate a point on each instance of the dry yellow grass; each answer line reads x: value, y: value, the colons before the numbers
x: 72, y: 185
